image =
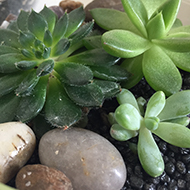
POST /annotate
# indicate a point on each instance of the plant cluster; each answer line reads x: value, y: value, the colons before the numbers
x: 166, y: 118
x: 43, y: 68
x: 150, y: 39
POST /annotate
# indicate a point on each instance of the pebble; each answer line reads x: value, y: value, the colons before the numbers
x: 40, y: 177
x: 89, y: 160
x: 17, y: 145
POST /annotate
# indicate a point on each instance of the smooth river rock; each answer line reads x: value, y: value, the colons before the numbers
x: 40, y: 177
x: 17, y: 143
x: 89, y: 160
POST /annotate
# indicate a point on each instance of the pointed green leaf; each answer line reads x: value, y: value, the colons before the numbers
x: 176, y: 30
x: 22, y: 20
x: 60, y: 111
x: 48, y: 39
x: 13, y: 26
x: 176, y: 24
x: 160, y: 72
x: 112, y: 73
x: 37, y: 24
x: 123, y: 43
x: 60, y: 28
x: 128, y: 116
x: 26, y: 65
x: 127, y: 97
x: 9, y: 38
x: 30, y: 106
x: 102, y: 17
x: 50, y: 17
x: 76, y: 18
x: 155, y: 104
x: 149, y: 153
x: 81, y: 32
x: 8, y: 103
x: 177, y: 105
x: 74, y: 74
x: 137, y: 13
x: 121, y: 134
x: 173, y: 133
x: 28, y: 54
x: 8, y: 62
x: 93, y: 57
x: 86, y: 95
x: 26, y: 39
x: 7, y: 49
x: 10, y: 82
x: 156, y: 27
x: 45, y: 68
x: 109, y: 89
x: 27, y: 85
x: 134, y: 67
x: 92, y: 42
x: 61, y: 47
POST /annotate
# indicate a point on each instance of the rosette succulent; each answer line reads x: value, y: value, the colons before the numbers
x: 150, y: 39
x: 43, y: 68
x: 166, y: 118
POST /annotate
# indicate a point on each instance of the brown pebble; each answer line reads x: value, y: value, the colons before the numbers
x: 68, y: 5
x: 40, y: 177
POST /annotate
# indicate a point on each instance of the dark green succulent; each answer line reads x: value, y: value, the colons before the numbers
x: 42, y: 69
x: 150, y: 38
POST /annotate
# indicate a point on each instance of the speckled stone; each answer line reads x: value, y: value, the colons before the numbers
x: 40, y: 177
x: 90, y: 161
x: 17, y: 145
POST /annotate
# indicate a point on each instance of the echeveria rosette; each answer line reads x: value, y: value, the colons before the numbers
x: 151, y: 39
x: 166, y: 118
x: 40, y: 70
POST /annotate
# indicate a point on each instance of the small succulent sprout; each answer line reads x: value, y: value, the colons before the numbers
x: 150, y: 38
x: 41, y: 70
x: 166, y: 118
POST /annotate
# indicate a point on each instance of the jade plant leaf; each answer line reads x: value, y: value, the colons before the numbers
x: 114, y: 42
x: 173, y: 133
x: 149, y: 153
x: 151, y: 123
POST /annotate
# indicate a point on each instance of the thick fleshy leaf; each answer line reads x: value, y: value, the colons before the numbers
x: 8, y: 62
x: 48, y: 39
x: 37, y: 24
x: 112, y: 73
x: 26, y: 39
x: 28, y: 54
x: 149, y: 153
x: 60, y: 111
x: 79, y: 34
x: 27, y: 85
x: 181, y: 120
x: 180, y: 59
x: 177, y: 105
x: 10, y: 82
x: 169, y: 10
x: 121, y: 134
x: 93, y: 57
x: 160, y: 72
x: 30, y: 106
x: 155, y: 104
x: 102, y: 17
x: 128, y: 117
x: 127, y: 97
x: 61, y: 47
x: 26, y: 65
x: 151, y: 123
x: 179, y: 42
x: 22, y: 21
x: 156, y: 27
x: 60, y: 28
x: 176, y: 30
x: 13, y: 26
x: 45, y: 68
x: 7, y: 49
x: 50, y: 17
x: 73, y: 73
x: 123, y: 43
x: 176, y: 24
x: 92, y: 42
x: 137, y: 13
x: 8, y: 107
x: 134, y: 67
x: 109, y: 89
x: 175, y: 134
x: 9, y: 38
x: 86, y: 95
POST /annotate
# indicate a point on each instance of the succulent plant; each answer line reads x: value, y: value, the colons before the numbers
x: 6, y: 187
x: 44, y: 69
x: 152, y: 41
x: 166, y: 118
